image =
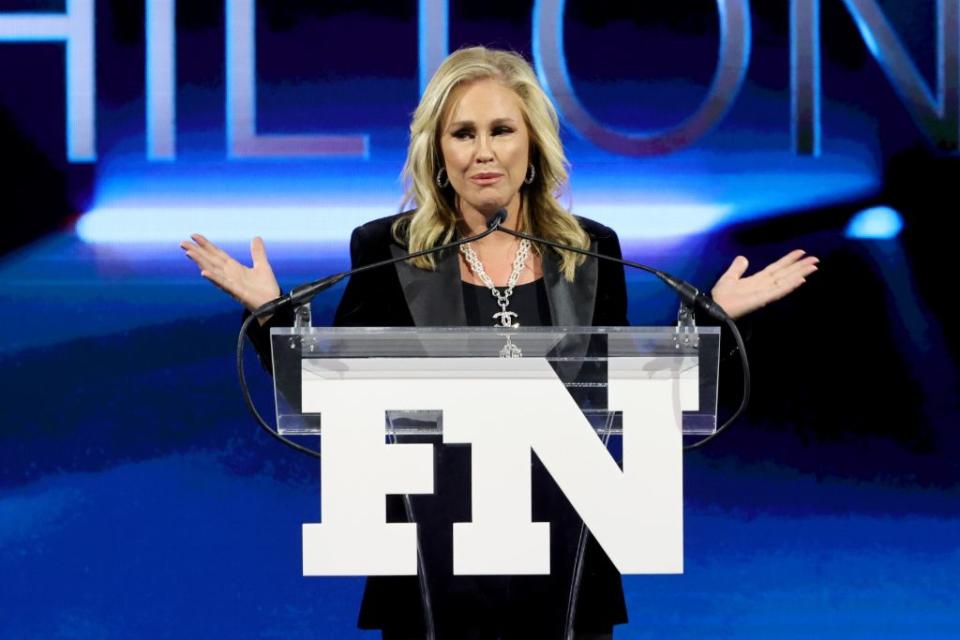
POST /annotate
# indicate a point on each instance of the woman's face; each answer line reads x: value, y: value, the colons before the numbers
x: 485, y: 146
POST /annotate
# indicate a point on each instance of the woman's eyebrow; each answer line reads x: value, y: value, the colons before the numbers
x: 469, y: 123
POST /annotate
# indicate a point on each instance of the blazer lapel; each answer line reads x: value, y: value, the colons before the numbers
x: 435, y: 298
x: 571, y: 303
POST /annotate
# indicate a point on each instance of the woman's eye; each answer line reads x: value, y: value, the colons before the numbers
x: 462, y: 134
x: 502, y: 130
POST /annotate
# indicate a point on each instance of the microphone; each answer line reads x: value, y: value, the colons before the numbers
x: 497, y: 219
x: 690, y: 295
x: 299, y: 295
x: 306, y: 292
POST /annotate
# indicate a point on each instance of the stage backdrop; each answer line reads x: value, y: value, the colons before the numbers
x: 138, y: 500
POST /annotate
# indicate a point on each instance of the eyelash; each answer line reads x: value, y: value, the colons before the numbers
x: 462, y: 134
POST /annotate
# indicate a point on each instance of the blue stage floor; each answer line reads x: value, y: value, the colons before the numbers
x: 138, y: 500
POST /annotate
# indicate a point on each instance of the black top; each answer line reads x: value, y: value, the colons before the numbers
x: 529, y: 301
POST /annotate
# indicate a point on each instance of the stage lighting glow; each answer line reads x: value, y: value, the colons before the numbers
x: 652, y: 221
x: 875, y: 223
x: 331, y: 223
x: 226, y: 225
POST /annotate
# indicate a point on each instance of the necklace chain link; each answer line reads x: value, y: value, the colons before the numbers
x: 504, y: 316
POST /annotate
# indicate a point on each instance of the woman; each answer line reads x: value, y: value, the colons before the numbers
x: 485, y: 137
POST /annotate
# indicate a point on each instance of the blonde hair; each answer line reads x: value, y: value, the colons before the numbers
x: 435, y: 218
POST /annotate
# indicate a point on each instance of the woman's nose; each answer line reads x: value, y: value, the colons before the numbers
x: 484, y: 148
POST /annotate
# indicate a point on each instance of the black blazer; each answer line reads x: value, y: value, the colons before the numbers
x: 408, y: 296
x: 404, y: 295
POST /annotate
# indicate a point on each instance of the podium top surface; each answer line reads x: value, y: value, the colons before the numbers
x: 579, y: 343
x: 579, y: 358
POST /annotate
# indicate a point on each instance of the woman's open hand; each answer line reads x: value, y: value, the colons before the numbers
x: 739, y: 296
x: 251, y: 286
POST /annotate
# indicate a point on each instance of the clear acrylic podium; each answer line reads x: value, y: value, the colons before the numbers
x: 577, y: 355
x: 566, y: 394
x: 603, y: 409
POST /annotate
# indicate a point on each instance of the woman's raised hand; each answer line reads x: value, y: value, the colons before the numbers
x: 739, y: 296
x: 251, y: 286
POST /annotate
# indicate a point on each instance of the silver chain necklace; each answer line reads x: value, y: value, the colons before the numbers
x: 505, y: 318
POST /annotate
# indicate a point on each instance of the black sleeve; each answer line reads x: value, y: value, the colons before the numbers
x: 373, y: 298
x: 354, y: 308
x: 610, y: 309
x: 260, y: 335
x: 728, y: 346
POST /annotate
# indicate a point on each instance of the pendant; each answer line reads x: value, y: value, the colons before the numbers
x: 506, y: 318
x: 510, y: 350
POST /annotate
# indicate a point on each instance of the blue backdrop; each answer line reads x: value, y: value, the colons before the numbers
x: 137, y: 498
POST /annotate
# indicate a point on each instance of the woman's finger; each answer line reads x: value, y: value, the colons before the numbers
x: 788, y: 286
x: 191, y: 252
x: 736, y: 270
x: 213, y: 277
x: 782, y: 287
x: 201, y: 240
x: 201, y: 259
x: 258, y: 252
x: 784, y: 262
x: 220, y: 283
x: 211, y: 248
x: 249, y: 286
x: 195, y: 249
x: 802, y: 268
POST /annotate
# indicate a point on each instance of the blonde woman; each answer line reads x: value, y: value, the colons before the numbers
x: 484, y: 137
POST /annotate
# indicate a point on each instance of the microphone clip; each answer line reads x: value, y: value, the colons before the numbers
x: 686, y: 335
